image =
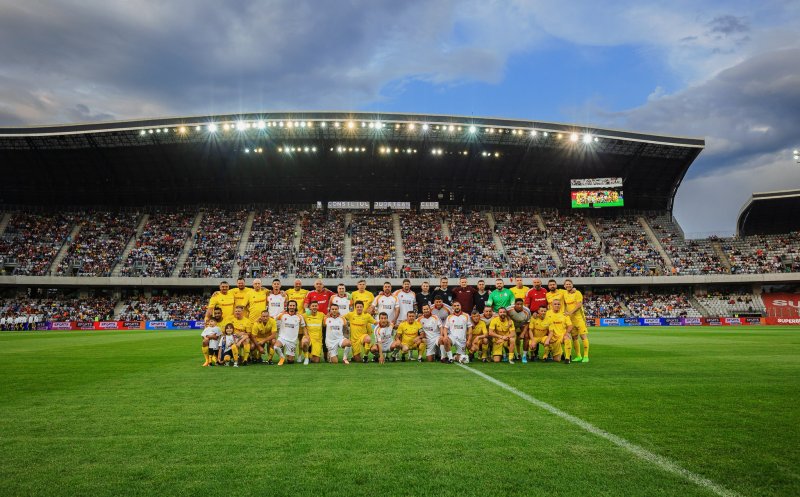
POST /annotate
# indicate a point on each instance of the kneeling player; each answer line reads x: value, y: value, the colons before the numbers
x: 559, y: 337
x: 457, y: 326
x: 432, y: 329
x: 264, y: 335
x: 478, y: 338
x: 501, y: 330
x: 291, y: 325
x: 384, y: 339
x: 409, y: 336
x: 335, y: 326
x: 211, y: 335
x: 360, y: 330
x: 538, y: 331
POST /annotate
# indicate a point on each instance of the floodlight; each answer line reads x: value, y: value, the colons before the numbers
x: 262, y: 125
x: 212, y: 128
x: 573, y: 137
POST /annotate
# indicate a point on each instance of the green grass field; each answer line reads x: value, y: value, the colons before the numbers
x: 133, y: 413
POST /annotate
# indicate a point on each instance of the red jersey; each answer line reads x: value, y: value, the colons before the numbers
x: 464, y: 296
x: 321, y: 298
x: 536, y: 298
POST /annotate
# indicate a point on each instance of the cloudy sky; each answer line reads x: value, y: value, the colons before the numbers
x: 728, y: 71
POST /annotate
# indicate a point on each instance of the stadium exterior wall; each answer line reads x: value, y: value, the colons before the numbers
x: 57, y: 281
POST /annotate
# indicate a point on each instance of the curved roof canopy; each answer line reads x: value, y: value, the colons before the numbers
x: 769, y: 213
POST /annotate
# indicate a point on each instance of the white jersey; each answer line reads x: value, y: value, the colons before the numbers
x: 209, y: 331
x: 457, y: 326
x: 432, y: 326
x: 386, y: 303
x: 405, y: 303
x: 384, y: 337
x: 441, y: 313
x: 290, y: 325
x: 275, y: 304
x: 343, y: 303
x: 335, y: 329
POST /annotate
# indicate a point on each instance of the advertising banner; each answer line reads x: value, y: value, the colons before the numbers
x: 60, y: 325
x: 692, y: 321
x: 612, y: 322
x: 672, y: 321
x: 650, y: 321
x: 133, y: 325
x: 772, y: 320
x: 785, y: 305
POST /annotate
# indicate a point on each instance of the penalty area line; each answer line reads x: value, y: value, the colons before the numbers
x: 640, y: 452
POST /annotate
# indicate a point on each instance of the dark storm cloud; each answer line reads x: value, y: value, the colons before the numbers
x: 728, y: 25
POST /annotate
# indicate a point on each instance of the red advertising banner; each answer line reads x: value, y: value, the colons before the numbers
x: 773, y: 320
x: 782, y: 305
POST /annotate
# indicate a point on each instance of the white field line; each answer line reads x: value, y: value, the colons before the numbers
x: 640, y: 452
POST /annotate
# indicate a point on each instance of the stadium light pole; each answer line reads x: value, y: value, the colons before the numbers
x: 796, y: 155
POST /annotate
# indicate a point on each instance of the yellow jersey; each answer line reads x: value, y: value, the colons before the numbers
x: 557, y: 295
x: 263, y: 330
x: 256, y: 303
x: 314, y: 325
x: 366, y: 297
x: 572, y: 300
x: 240, y: 326
x: 298, y: 296
x: 359, y: 323
x: 225, y: 301
x: 479, y: 329
x: 557, y: 322
x: 409, y: 330
x: 520, y: 293
x: 240, y: 297
x: 502, y: 327
x: 539, y: 326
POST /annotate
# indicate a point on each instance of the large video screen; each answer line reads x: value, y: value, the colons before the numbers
x: 584, y: 199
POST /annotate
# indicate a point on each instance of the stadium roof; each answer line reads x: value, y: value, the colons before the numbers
x: 304, y: 157
x: 769, y: 213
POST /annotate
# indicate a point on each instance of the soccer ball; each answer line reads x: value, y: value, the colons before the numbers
x: 464, y: 359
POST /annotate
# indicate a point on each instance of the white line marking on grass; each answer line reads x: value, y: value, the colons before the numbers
x: 640, y: 452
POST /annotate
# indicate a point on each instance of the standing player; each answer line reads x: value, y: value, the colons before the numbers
x: 501, y: 330
x: 386, y: 302
x: 256, y: 301
x: 465, y: 295
x: 458, y: 325
x: 408, y: 334
x: 406, y: 300
x: 481, y: 296
x: 241, y: 294
x: 501, y: 297
x: 222, y: 299
x: 290, y: 325
x: 478, y: 338
x: 360, y: 330
x: 553, y: 293
x: 520, y: 315
x: 384, y: 339
x: 432, y: 329
x: 320, y: 295
x: 424, y: 296
x: 573, y: 300
x: 559, y: 328
x: 362, y: 295
x: 341, y: 299
x: 519, y: 290
x: 276, y: 300
x: 537, y: 296
x: 298, y: 294
x: 312, y: 341
x: 444, y: 292
x: 538, y: 331
x: 336, y: 327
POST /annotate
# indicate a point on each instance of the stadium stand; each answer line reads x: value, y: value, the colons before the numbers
x: 321, y: 252
x: 164, y: 308
x: 158, y: 247
x: 763, y: 253
x: 730, y: 303
x: 99, y: 243
x: 373, y: 245
x: 581, y: 253
x: 471, y: 247
x: 59, y: 308
x: 424, y: 246
x: 687, y: 256
x: 525, y: 244
x: 658, y: 305
x: 269, y: 250
x: 215, y: 244
x: 628, y: 245
x: 31, y: 242
x: 603, y: 305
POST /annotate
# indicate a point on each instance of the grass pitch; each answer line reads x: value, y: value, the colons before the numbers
x: 133, y: 413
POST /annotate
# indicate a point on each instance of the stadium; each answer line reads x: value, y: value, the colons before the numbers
x: 114, y: 237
